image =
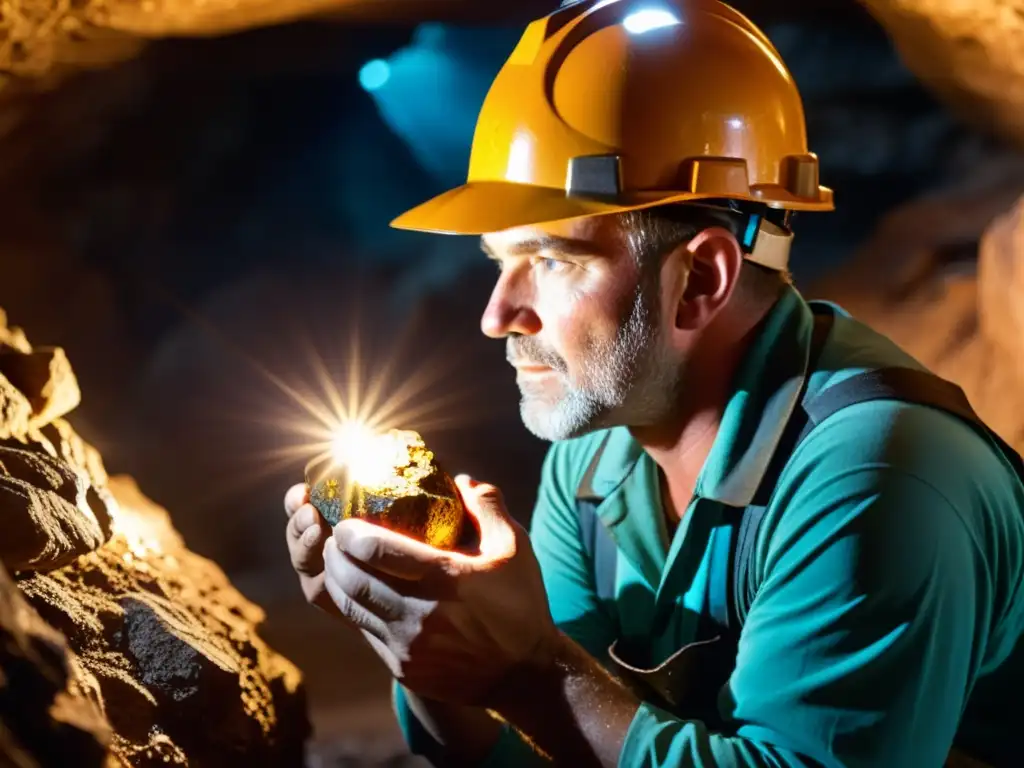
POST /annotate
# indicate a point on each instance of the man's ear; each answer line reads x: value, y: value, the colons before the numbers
x: 715, y: 258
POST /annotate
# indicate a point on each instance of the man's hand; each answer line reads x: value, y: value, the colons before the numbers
x: 449, y: 626
x: 465, y: 734
x: 306, y: 533
x: 463, y: 633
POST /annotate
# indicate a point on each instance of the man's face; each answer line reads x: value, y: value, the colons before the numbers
x: 583, y: 325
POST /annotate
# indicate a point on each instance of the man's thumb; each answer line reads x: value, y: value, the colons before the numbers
x: 485, y: 504
x: 481, y: 499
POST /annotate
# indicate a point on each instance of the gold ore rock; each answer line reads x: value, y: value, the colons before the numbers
x: 416, y: 497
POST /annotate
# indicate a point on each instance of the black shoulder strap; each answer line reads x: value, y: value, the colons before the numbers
x: 907, y: 385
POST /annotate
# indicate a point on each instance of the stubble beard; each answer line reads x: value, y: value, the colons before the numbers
x: 626, y: 381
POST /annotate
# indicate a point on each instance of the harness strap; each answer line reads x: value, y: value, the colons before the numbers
x: 908, y: 385
x: 598, y: 544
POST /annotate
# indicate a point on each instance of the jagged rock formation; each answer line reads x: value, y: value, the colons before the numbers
x: 49, y: 39
x: 120, y: 646
x: 924, y: 281
x: 52, y: 485
x: 969, y: 53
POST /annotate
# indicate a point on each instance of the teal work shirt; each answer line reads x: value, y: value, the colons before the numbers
x: 884, y: 610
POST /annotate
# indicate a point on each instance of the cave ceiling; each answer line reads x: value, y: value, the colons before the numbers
x: 970, y: 54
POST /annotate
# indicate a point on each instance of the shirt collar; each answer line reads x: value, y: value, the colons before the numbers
x: 766, y: 391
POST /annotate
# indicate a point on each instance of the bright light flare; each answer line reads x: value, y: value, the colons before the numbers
x: 335, y: 406
x: 639, y: 22
x: 369, y: 457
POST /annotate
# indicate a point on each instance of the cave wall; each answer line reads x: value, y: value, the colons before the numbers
x: 117, y: 643
x: 198, y: 220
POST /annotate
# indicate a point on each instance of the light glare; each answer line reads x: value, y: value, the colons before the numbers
x: 369, y: 457
x: 648, y: 19
x: 374, y: 74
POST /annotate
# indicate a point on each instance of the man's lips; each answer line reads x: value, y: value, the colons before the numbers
x: 528, y: 367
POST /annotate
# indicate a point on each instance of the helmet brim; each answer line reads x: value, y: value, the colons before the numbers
x: 479, y: 207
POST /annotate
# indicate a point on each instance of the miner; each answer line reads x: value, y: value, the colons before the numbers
x: 764, y: 535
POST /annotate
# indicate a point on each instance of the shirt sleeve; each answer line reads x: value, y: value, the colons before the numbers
x: 555, y: 534
x: 861, y: 641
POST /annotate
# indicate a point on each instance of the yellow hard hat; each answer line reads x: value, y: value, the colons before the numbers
x: 608, y: 106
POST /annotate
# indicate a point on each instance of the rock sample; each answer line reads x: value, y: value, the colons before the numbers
x: 392, y: 480
x: 121, y: 645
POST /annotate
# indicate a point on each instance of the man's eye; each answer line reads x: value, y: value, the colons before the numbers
x: 553, y: 265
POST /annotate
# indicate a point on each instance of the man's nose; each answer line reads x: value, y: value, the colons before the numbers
x: 510, y: 310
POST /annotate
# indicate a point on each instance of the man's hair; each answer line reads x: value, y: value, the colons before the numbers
x: 653, y: 232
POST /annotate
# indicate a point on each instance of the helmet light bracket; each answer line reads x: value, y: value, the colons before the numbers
x: 594, y: 176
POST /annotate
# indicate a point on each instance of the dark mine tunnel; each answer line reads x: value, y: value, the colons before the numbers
x: 196, y: 263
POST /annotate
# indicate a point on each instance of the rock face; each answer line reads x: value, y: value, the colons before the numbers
x: 944, y: 278
x: 166, y: 641
x: 1001, y: 292
x: 49, y: 521
x: 969, y: 53
x: 121, y: 647
x: 52, y: 486
x: 42, y: 722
